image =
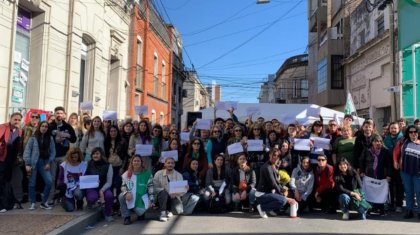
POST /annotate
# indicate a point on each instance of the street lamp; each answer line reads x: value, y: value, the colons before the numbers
x: 262, y: 1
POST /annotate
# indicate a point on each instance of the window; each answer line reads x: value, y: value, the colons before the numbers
x: 153, y: 117
x: 304, y: 88
x: 87, y: 68
x: 337, y: 77
x: 322, y: 75
x: 162, y: 119
x: 139, y: 65
x: 380, y: 25
x: 164, y: 80
x: 155, y: 75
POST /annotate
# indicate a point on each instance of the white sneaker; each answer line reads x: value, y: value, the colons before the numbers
x: 163, y: 217
x: 3, y: 211
x: 45, y: 206
x: 32, y: 207
x: 169, y: 214
x: 346, y: 216
x: 262, y: 213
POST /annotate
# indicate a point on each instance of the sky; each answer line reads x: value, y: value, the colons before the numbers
x: 237, y: 43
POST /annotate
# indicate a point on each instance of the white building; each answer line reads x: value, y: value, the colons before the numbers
x: 59, y: 53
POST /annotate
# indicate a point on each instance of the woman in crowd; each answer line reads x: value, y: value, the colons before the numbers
x: 215, y: 180
x: 196, y: 151
x: 285, y: 157
x: 180, y: 203
x: 408, y: 162
x: 204, y: 135
x: 39, y: 154
x: 256, y: 158
x: 174, y: 144
x: 116, y: 155
x: 343, y: 146
x: 74, y: 122
x: 243, y: 183
x: 94, y: 138
x: 273, y: 139
x: 157, y: 142
x: 137, y: 190
x: 270, y: 196
x: 99, y: 166
x: 68, y: 179
x: 216, y: 144
x: 290, y: 136
x: 324, y: 194
x: 194, y: 184
x: 141, y: 136
x: 349, y: 188
x: 375, y: 162
x: 238, y: 136
x: 302, y: 182
x: 126, y: 132
x: 316, y: 131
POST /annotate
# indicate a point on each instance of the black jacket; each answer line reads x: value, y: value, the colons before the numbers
x: 269, y: 179
x: 347, y: 183
x: 250, y: 178
x: 384, y: 164
x: 360, y: 144
x: 62, y: 148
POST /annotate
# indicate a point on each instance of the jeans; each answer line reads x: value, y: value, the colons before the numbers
x: 250, y: 195
x: 54, y: 168
x: 179, y: 205
x: 271, y: 201
x: 92, y: 196
x: 46, y: 176
x: 411, y: 186
x: 345, y: 200
x: 69, y: 204
x: 125, y: 212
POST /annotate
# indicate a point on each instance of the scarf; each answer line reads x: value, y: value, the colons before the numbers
x: 375, y: 153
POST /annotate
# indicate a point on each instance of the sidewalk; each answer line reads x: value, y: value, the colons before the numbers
x: 40, y: 221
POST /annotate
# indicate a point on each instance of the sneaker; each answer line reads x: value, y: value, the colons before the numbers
x: 127, y: 220
x: 261, y: 212
x: 346, y: 216
x: 109, y: 218
x: 3, y: 211
x: 272, y: 213
x: 163, y: 217
x: 169, y: 214
x: 51, y: 203
x: 45, y: 206
x: 398, y: 209
x: 32, y: 207
x: 363, y: 216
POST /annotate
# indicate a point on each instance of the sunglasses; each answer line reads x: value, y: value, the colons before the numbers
x: 36, y: 117
x: 322, y: 160
x: 255, y: 129
x: 413, y: 132
x: 173, y: 133
x: 196, y: 143
x: 216, y: 131
x: 238, y: 130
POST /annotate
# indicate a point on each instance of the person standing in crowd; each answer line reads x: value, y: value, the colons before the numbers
x: 174, y: 144
x: 290, y: 136
x: 105, y: 126
x: 74, y: 122
x: 126, y: 132
x: 157, y: 142
x: 385, y: 130
x: 30, y: 128
x: 95, y: 137
x: 243, y: 183
x: 272, y: 139
x: 349, y: 188
x: 396, y: 187
x: 216, y: 145
x: 196, y: 151
x: 256, y: 158
x: 270, y: 196
x: 402, y: 123
x: 63, y: 135
x: 285, y: 157
x: 137, y: 182
x: 68, y: 181
x: 302, y: 183
x: 168, y: 202
x: 407, y: 160
x: 316, y: 131
x: 99, y: 166
x: 238, y: 136
x: 324, y: 193
x: 10, y: 138
x: 375, y: 162
x: 343, y: 146
x: 141, y: 136
x: 204, y: 135
x: 38, y: 155
x: 363, y: 141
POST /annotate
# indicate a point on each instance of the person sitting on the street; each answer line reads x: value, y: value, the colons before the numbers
x: 324, y: 194
x: 243, y: 182
x: 68, y: 179
x: 99, y: 166
x: 137, y: 190
x: 171, y: 202
x: 191, y: 175
x: 302, y: 182
x: 270, y: 196
x: 349, y: 187
x: 217, y: 187
x: 39, y: 154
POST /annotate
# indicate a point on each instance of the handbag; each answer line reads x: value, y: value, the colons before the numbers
x: 242, y: 185
x: 114, y: 160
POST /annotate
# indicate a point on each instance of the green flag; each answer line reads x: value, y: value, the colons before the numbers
x: 349, y: 108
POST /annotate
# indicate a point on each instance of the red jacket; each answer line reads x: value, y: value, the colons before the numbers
x: 5, y: 133
x: 396, y: 154
x: 324, y: 180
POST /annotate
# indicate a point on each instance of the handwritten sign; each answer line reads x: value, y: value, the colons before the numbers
x: 87, y: 105
x: 178, y: 186
x: 203, y: 124
x: 89, y: 181
x: 235, y: 148
x: 302, y: 144
x: 143, y: 109
x: 144, y: 149
x: 110, y: 116
x: 166, y: 154
x: 255, y: 145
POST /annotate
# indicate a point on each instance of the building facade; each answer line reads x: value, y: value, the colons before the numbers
x: 150, y: 74
x: 64, y: 54
x: 291, y: 81
x: 267, y: 90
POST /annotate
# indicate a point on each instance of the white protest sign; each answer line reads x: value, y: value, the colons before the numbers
x: 185, y: 137
x: 144, y: 149
x: 166, y: 154
x: 255, y: 145
x: 323, y: 143
x: 110, y: 116
x: 143, y: 109
x: 235, y: 148
x: 226, y: 105
x: 252, y: 110
x: 178, y: 186
x: 203, y: 124
x: 89, y: 181
x: 87, y: 105
x: 302, y: 144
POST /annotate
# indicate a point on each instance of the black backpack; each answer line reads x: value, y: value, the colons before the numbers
x: 217, y: 204
x: 7, y: 199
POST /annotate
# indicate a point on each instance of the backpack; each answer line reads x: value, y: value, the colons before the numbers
x: 217, y: 204
x: 7, y: 199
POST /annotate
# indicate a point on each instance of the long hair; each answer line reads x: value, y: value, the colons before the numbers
x: 407, y: 131
x: 145, y: 133
x: 91, y: 131
x: 43, y: 139
x: 108, y: 140
x: 98, y: 149
x: 201, y: 151
x: 130, y: 169
x: 222, y: 175
x: 251, y: 131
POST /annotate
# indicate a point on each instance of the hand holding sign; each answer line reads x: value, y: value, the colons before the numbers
x: 110, y: 116
x: 143, y: 109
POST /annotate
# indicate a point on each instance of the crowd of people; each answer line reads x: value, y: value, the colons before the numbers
x: 363, y: 170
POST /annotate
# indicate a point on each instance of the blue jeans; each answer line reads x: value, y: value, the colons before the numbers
x: 46, y: 176
x: 271, y: 201
x: 411, y: 186
x: 345, y: 200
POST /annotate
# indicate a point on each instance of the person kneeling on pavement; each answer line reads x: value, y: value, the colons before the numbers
x: 137, y: 190
x: 270, y: 195
x: 349, y: 187
x: 179, y: 203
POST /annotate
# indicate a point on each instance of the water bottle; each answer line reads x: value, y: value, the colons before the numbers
x: 294, y: 210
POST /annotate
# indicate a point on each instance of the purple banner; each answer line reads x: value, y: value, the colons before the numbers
x: 24, y: 20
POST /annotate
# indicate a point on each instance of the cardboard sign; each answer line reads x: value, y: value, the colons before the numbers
x: 143, y: 109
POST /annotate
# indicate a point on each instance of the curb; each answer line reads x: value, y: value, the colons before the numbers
x: 79, y: 224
